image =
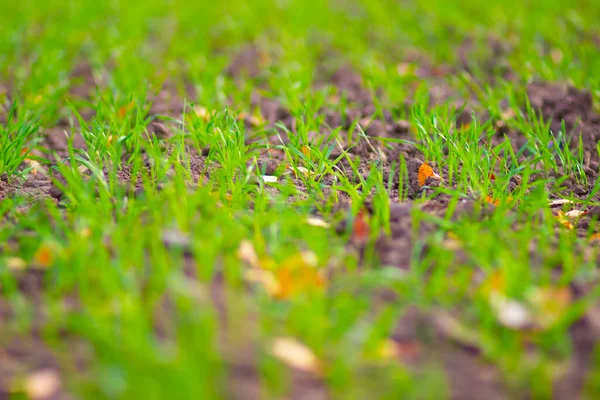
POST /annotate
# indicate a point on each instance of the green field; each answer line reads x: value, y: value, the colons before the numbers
x: 281, y: 199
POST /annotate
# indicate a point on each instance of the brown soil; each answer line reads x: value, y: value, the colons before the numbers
x: 468, y: 375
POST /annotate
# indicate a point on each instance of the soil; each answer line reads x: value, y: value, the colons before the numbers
x: 468, y: 375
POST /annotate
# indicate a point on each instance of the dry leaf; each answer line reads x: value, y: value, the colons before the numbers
x: 44, y: 256
x: 405, y: 69
x: 360, y: 228
x: 266, y: 278
x: 317, y: 222
x: 202, y: 113
x: 550, y: 303
x: 425, y: 172
x: 406, y: 350
x: 15, y: 263
x: 575, y: 214
x: 556, y: 55
x: 124, y: 109
x: 496, y: 202
x: 295, y: 355
x: 564, y: 220
x: 492, y: 176
x: 43, y: 384
x: 559, y: 202
x: 492, y: 201
x: 453, y: 329
x: 269, y: 178
x: 36, y: 167
x: 298, y: 274
x: 595, y: 237
x: 247, y: 254
x: 509, y: 312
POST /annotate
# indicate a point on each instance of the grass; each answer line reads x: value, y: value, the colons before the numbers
x: 143, y: 281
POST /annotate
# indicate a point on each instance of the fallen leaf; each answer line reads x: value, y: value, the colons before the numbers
x: 405, y: 69
x: 406, y: 350
x: 549, y: 303
x: 595, y: 237
x: 298, y: 274
x: 508, y: 114
x: 202, y: 113
x: 35, y: 167
x: 303, y: 170
x: 455, y: 330
x: 317, y: 222
x: 556, y: 55
x: 43, y: 384
x: 44, y: 256
x: 265, y: 278
x: 269, y: 178
x: 15, y: 263
x: 564, y: 220
x: 509, y: 312
x: 559, y: 202
x: 492, y: 176
x: 425, y: 172
x: 124, y: 109
x: 492, y: 201
x: 360, y: 228
x: 247, y: 254
x: 574, y: 214
x: 496, y: 202
x: 174, y: 238
x: 295, y: 355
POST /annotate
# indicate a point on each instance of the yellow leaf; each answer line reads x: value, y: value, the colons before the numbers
x: 15, y: 263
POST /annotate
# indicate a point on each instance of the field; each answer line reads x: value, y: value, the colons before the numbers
x: 284, y: 199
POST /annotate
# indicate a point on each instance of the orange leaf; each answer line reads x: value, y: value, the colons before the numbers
x: 595, y: 237
x: 564, y: 220
x: 492, y: 176
x: 297, y: 274
x: 123, y: 109
x: 44, y: 256
x: 360, y: 229
x: 496, y: 202
x: 492, y: 201
x: 425, y: 171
